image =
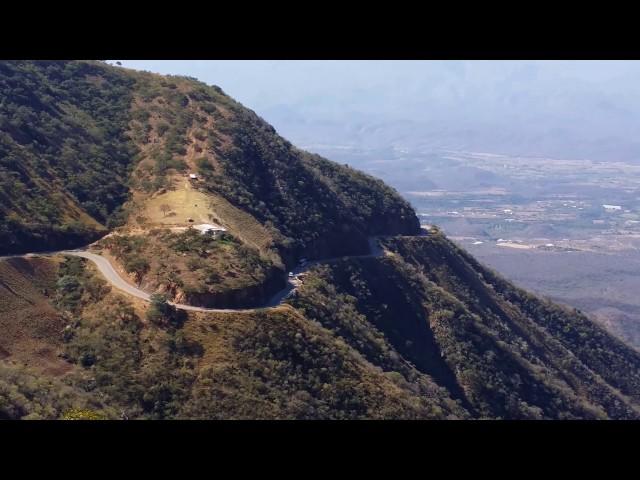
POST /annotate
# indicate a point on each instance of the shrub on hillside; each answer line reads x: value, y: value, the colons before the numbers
x: 163, y: 313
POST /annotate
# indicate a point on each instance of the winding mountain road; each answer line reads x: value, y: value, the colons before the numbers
x: 113, y: 277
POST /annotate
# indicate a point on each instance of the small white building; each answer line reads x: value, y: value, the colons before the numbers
x: 612, y: 208
x: 207, y: 227
x: 193, y: 176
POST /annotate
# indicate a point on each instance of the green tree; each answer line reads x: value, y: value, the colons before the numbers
x: 164, y: 208
x: 162, y: 312
x: 137, y: 265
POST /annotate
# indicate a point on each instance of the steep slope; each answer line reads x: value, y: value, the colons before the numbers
x: 500, y: 351
x: 73, y: 133
x: 64, y: 155
x: 423, y: 331
x: 86, y: 147
x: 272, y: 364
x: 31, y: 327
x: 309, y: 205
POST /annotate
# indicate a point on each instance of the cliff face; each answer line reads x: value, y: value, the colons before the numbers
x: 246, y: 297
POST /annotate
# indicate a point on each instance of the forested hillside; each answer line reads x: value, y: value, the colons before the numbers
x: 500, y: 351
x: 64, y: 153
x: 78, y: 138
x: 418, y: 330
x: 421, y: 333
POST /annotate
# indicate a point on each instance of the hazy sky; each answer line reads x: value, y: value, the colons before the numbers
x: 544, y: 107
x: 279, y: 81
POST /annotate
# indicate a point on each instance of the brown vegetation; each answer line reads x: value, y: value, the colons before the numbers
x: 31, y: 327
x: 213, y: 270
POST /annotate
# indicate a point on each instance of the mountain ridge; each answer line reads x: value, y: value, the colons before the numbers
x: 421, y: 331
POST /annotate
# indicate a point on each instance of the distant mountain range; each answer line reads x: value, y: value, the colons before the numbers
x: 553, y: 109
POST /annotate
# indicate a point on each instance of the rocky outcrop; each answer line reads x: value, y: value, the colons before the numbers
x: 251, y: 296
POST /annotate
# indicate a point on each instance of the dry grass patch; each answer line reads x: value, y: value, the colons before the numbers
x: 31, y: 327
x: 176, y: 207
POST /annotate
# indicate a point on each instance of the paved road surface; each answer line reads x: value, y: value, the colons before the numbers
x: 117, y: 281
x: 113, y: 277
